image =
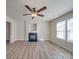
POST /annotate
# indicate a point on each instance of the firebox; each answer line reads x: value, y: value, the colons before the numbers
x: 32, y: 37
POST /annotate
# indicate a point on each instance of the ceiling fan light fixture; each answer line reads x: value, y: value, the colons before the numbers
x: 34, y: 15
x: 35, y: 12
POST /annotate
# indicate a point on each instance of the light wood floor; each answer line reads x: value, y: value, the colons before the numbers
x: 36, y: 50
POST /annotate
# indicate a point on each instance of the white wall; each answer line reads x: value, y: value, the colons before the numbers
x: 43, y: 30
x: 32, y: 27
x: 23, y: 27
x: 61, y: 42
x: 13, y: 28
x: 20, y: 30
x: 27, y: 28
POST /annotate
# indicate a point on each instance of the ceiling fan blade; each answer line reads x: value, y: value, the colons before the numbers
x: 34, y: 9
x: 26, y: 14
x: 43, y: 8
x: 40, y: 15
x: 28, y: 8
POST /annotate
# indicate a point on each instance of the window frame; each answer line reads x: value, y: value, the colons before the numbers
x: 66, y: 30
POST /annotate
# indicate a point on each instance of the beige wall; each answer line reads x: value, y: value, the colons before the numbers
x: 61, y: 42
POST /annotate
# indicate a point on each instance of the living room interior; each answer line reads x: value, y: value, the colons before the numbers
x: 39, y: 29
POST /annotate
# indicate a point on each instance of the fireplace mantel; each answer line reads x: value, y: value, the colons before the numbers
x: 33, y: 32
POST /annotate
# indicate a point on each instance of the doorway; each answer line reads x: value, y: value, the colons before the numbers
x: 8, y: 32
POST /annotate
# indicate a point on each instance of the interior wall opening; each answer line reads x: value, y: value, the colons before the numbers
x: 8, y: 32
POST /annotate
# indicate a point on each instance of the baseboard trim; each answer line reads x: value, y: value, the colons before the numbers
x: 12, y: 41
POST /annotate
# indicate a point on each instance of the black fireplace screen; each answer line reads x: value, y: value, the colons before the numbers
x: 32, y: 37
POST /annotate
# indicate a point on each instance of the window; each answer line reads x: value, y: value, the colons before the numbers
x: 70, y: 29
x: 61, y: 30
x: 65, y: 30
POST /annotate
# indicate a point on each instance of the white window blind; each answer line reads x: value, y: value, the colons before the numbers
x: 70, y: 29
x: 61, y: 30
x: 65, y: 30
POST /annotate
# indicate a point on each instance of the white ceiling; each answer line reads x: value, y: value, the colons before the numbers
x: 55, y: 8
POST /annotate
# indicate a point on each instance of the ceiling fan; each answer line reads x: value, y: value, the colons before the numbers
x: 33, y: 11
